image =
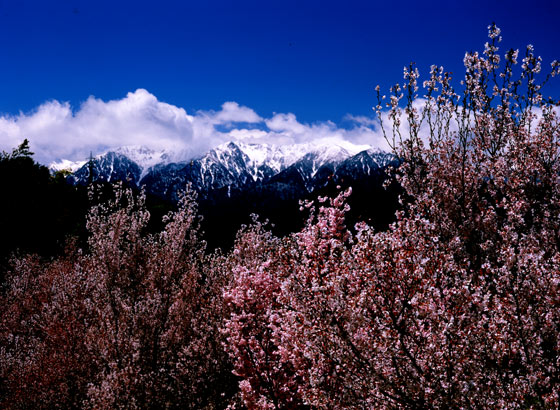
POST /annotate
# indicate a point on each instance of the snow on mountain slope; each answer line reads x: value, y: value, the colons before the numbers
x: 235, y: 165
x: 67, y: 165
x: 279, y: 157
x: 109, y: 167
x: 144, y: 157
x: 381, y: 158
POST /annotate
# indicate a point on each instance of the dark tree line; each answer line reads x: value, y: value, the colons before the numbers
x: 38, y: 210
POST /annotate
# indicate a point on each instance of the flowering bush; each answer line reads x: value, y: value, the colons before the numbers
x: 131, y: 323
x: 457, y: 304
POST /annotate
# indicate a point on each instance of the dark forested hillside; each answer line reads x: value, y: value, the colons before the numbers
x: 38, y: 210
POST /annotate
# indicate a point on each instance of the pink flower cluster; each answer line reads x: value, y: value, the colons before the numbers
x: 457, y: 305
x: 134, y: 322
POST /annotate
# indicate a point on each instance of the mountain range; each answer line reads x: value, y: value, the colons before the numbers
x: 234, y: 167
x: 236, y: 180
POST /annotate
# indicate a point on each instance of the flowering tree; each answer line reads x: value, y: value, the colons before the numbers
x: 484, y: 186
x: 152, y: 300
x: 44, y: 360
x: 131, y: 323
x: 268, y: 381
x: 457, y: 304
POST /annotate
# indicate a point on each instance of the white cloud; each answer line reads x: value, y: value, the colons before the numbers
x: 57, y: 132
x: 286, y: 129
x: 285, y: 123
x: 362, y: 120
x: 248, y: 135
x: 232, y: 112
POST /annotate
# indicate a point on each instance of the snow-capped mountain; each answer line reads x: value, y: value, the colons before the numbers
x: 109, y: 167
x: 144, y: 157
x: 66, y: 165
x: 235, y: 166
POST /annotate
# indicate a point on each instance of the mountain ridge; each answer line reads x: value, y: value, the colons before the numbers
x: 234, y: 165
x: 236, y: 180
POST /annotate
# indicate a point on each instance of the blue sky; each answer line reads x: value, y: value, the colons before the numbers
x: 319, y: 60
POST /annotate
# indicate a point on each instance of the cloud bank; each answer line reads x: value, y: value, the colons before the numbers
x: 58, y: 132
